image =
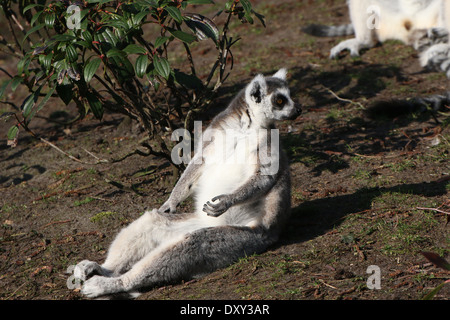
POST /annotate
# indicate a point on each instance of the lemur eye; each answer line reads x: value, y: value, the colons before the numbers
x: 279, y: 101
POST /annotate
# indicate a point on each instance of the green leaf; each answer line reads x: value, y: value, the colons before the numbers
x: 150, y: 3
x: 134, y: 48
x: 15, y: 82
x: 47, y: 61
x: 123, y: 66
x: 160, y: 41
x: 110, y: 37
x: 84, y: 44
x: 119, y: 24
x: 188, y: 80
x: 430, y: 295
x: 42, y: 103
x: 95, y: 105
x: 27, y: 105
x: 90, y: 69
x: 71, y: 53
x: 12, y: 132
x: 29, y: 102
x: 246, y: 5
x: 30, y: 6
x: 183, y: 36
x: 174, y: 13
x: 63, y: 37
x: 49, y: 20
x: 32, y: 30
x: 138, y: 18
x: 260, y: 17
x: 248, y: 17
x: 6, y: 115
x: 87, y: 36
x: 65, y: 92
x: 4, y: 86
x: 200, y: 1
x: 436, y: 260
x: 115, y: 53
x: 35, y: 17
x: 202, y: 26
x: 141, y: 65
x: 162, y: 67
x: 228, y: 4
x: 22, y: 65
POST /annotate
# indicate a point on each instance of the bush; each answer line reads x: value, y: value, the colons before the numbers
x: 115, y: 55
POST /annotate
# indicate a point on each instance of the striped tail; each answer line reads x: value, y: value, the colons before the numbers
x: 329, y: 31
x: 437, y: 58
x: 396, y: 108
x: 434, y: 48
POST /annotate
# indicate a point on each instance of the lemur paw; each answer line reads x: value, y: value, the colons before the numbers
x: 99, y: 286
x: 215, y: 210
x: 85, y: 269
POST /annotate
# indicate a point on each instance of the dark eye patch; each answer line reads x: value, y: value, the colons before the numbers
x: 279, y: 101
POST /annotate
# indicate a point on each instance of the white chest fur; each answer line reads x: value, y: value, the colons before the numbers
x: 230, y: 159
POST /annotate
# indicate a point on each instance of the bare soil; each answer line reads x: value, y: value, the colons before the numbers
x: 358, y: 183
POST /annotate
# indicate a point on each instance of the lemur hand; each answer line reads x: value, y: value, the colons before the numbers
x: 215, y: 210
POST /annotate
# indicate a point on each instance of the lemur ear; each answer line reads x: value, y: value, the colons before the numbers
x: 281, y: 74
x: 257, y: 88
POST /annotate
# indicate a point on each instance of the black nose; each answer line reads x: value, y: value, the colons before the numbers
x: 296, y: 113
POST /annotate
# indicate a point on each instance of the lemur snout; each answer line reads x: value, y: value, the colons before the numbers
x: 297, y: 112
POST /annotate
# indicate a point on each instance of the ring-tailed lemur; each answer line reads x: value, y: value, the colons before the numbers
x: 434, y: 50
x: 240, y: 206
x: 375, y: 21
x: 434, y: 46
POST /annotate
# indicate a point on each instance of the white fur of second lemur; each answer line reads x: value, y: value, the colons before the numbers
x: 381, y: 20
x: 438, y: 55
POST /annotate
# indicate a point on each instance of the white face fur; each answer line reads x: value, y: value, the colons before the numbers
x: 269, y: 99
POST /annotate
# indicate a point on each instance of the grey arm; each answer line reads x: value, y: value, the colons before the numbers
x: 183, y: 188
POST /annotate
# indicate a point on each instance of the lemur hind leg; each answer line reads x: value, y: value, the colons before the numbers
x: 199, y: 252
x: 133, y: 243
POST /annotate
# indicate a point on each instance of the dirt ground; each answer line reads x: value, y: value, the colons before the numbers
x: 357, y: 183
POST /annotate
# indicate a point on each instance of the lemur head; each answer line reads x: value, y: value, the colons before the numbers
x: 269, y: 99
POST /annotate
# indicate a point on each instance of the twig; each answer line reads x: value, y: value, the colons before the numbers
x: 361, y: 254
x: 66, y: 193
x: 12, y: 104
x: 6, y: 72
x: 326, y: 284
x: 343, y: 99
x: 434, y: 209
x: 101, y: 199
x: 62, y: 151
x: 9, y: 46
x: 348, y: 291
x: 27, y: 129
x: 55, y: 222
x: 446, y: 141
x: 93, y: 155
x: 19, y: 287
